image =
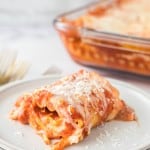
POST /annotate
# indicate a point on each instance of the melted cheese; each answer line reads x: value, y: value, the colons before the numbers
x: 131, y: 17
x: 75, y: 87
x: 81, y: 91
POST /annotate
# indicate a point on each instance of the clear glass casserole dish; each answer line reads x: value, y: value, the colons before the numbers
x: 111, y: 34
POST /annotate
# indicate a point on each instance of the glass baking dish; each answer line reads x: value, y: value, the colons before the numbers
x: 104, y: 48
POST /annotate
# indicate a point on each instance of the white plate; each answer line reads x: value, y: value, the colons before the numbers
x: 115, y: 135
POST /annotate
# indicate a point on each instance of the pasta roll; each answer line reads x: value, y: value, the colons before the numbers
x: 64, y: 112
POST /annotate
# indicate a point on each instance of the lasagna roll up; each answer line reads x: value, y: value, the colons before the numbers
x: 64, y: 112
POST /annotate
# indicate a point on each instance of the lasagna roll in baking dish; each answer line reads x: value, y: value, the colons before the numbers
x: 64, y: 112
